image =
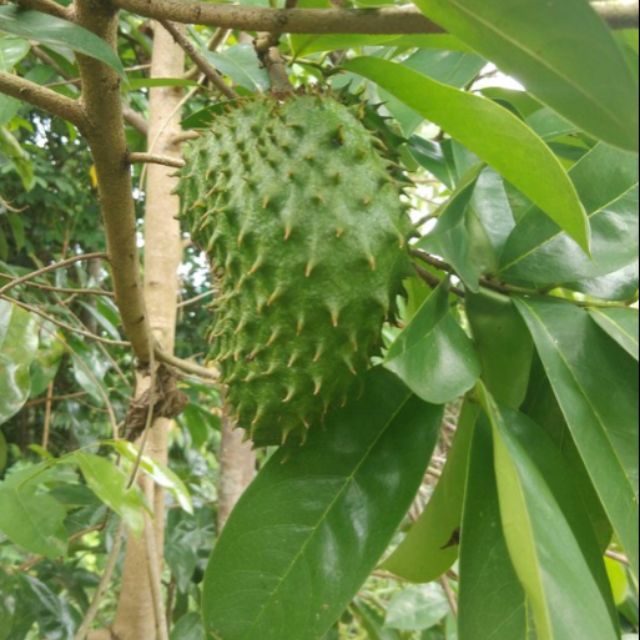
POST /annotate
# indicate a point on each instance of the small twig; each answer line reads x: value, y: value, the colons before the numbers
x: 155, y: 159
x: 217, y: 39
x: 64, y: 325
x: 451, y: 596
x: 47, y: 416
x: 69, y: 290
x: 65, y: 396
x: 433, y: 281
x: 199, y: 60
x: 200, y: 296
x: 52, y: 267
x: 105, y: 581
x: 619, y: 557
x: 186, y: 365
x: 185, y: 136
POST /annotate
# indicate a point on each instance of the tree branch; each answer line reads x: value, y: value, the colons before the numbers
x: 199, y: 60
x: 394, y: 20
x: 43, y: 98
x: 156, y: 159
x: 186, y: 365
x: 105, y: 135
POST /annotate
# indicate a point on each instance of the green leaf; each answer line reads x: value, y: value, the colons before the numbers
x: 431, y: 546
x: 620, y: 285
x: 316, y: 519
x: 110, y: 485
x: 32, y: 519
x: 306, y: 44
x: 565, y: 598
x: 42, y: 27
x: 563, y: 53
x: 12, y: 50
x: 493, y: 133
x: 159, y: 473
x: 18, y: 347
x: 490, y: 597
x: 450, y: 237
x: 433, y: 356
x: 189, y: 627
x: 596, y: 389
x: 372, y: 622
x: 241, y: 64
x: 141, y: 83
x: 607, y: 181
x: 47, y: 360
x: 417, y: 607
x: 503, y: 344
x: 621, y: 324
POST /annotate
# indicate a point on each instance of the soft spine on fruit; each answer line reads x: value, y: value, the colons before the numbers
x: 301, y: 217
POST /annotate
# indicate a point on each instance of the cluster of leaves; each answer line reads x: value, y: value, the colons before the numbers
x: 531, y: 251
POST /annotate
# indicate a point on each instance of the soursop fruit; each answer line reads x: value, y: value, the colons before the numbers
x: 301, y: 217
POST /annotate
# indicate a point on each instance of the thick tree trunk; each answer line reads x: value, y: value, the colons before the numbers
x: 135, y: 617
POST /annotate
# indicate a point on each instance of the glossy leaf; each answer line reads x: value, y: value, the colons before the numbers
x: 431, y: 546
x: 491, y: 600
x: 621, y: 324
x: 565, y: 598
x: 31, y: 518
x: 596, y: 389
x: 607, y: 181
x: 12, y: 50
x: 504, y: 346
x: 493, y: 133
x: 18, y: 347
x: 450, y: 238
x: 241, y: 64
x: 315, y: 520
x: 433, y: 356
x: 620, y: 285
x: 110, y: 485
x: 159, y: 473
x: 42, y: 27
x: 561, y: 51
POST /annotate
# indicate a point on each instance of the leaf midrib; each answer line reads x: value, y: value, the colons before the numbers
x: 348, y: 480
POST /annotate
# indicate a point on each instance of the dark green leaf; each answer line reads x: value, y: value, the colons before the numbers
x: 537, y: 251
x: 42, y: 27
x: 565, y: 597
x: 12, y: 50
x: 491, y: 601
x: 504, y: 346
x: 450, y: 238
x: 314, y: 522
x: 561, y: 51
x: 433, y: 157
x: 596, y: 389
x: 18, y: 346
x: 433, y: 356
x: 620, y: 285
x: 621, y: 324
x: 431, y: 546
x: 493, y: 133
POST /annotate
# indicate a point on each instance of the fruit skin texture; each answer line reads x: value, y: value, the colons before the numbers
x: 303, y: 223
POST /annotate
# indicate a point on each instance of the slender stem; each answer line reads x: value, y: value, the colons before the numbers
x: 64, y: 325
x: 451, y: 596
x: 200, y: 296
x: 155, y: 578
x: 47, y: 416
x: 105, y: 581
x: 51, y: 267
x: 186, y: 365
x: 199, y: 60
x: 619, y: 557
x: 391, y: 20
x: 69, y: 290
x: 156, y: 159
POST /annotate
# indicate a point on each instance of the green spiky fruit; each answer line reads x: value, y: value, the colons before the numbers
x: 303, y: 222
